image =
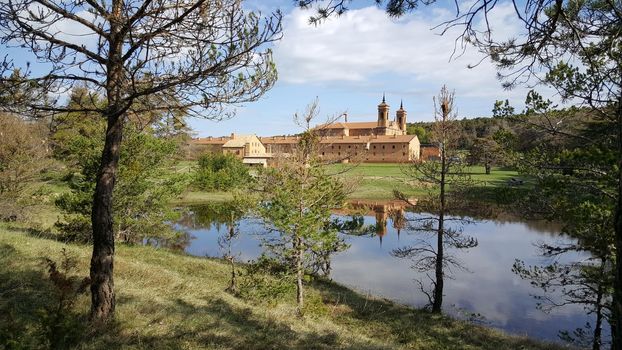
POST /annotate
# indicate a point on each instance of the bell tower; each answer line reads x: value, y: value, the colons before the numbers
x: 383, y: 114
x: 401, y: 118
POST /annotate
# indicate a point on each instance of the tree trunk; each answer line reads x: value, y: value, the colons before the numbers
x: 233, y: 287
x: 102, y: 261
x: 617, y: 284
x: 299, y: 277
x: 438, y: 285
x: 327, y: 266
x: 487, y: 166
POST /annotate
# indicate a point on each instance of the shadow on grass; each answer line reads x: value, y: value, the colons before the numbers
x: 27, y: 296
x: 31, y: 231
x: 221, y: 325
x: 29, y: 316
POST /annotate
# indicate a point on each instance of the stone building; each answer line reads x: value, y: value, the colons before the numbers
x: 238, y: 145
x: 249, y: 148
x: 244, y: 146
x: 382, y: 141
x: 383, y: 126
x: 430, y: 152
x: 372, y: 149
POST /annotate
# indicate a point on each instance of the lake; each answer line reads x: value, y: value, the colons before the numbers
x: 484, y: 286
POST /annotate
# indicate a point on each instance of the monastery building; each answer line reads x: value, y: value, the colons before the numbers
x: 381, y: 141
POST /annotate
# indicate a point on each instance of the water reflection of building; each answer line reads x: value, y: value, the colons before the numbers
x: 382, y: 211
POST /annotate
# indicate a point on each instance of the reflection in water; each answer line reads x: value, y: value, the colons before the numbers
x: 586, y: 282
x: 427, y: 257
x: 434, y: 260
x: 382, y: 211
x: 490, y: 288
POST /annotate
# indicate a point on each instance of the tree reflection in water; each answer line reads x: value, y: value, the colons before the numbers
x: 428, y: 256
x: 425, y: 256
x: 587, y: 282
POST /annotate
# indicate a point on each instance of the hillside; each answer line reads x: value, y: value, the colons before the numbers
x: 171, y: 301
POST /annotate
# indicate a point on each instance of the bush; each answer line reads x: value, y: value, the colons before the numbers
x: 23, y: 152
x: 220, y: 172
x: 268, y: 280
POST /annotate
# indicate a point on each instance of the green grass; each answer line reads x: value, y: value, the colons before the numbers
x: 37, y: 200
x: 377, y: 181
x: 372, y: 181
x: 196, y: 197
x: 171, y: 301
x: 184, y: 166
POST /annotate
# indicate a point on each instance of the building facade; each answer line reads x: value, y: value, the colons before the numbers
x: 382, y: 141
x: 383, y: 125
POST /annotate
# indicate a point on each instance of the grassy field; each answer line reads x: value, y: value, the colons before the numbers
x: 171, y: 301
x: 378, y: 180
x: 197, y: 197
x: 372, y: 181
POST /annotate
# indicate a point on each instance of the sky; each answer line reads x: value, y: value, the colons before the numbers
x: 349, y: 62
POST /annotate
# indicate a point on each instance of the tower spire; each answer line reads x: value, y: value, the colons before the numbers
x: 383, y: 101
x: 401, y: 104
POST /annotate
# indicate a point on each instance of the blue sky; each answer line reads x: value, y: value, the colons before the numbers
x: 349, y: 62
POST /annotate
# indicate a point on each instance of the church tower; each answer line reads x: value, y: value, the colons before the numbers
x: 383, y: 114
x: 401, y: 118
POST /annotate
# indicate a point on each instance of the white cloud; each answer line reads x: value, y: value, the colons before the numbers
x: 62, y: 28
x: 77, y: 33
x: 364, y: 44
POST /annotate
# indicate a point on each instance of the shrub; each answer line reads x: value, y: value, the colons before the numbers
x: 267, y: 279
x: 220, y: 172
x: 23, y: 152
x: 61, y: 327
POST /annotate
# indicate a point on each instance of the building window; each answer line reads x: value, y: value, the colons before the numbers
x: 393, y: 146
x: 404, y: 154
x: 349, y: 146
x: 322, y: 153
x: 374, y: 146
x: 382, y: 146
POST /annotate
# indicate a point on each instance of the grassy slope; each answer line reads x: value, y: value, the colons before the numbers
x: 171, y: 301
